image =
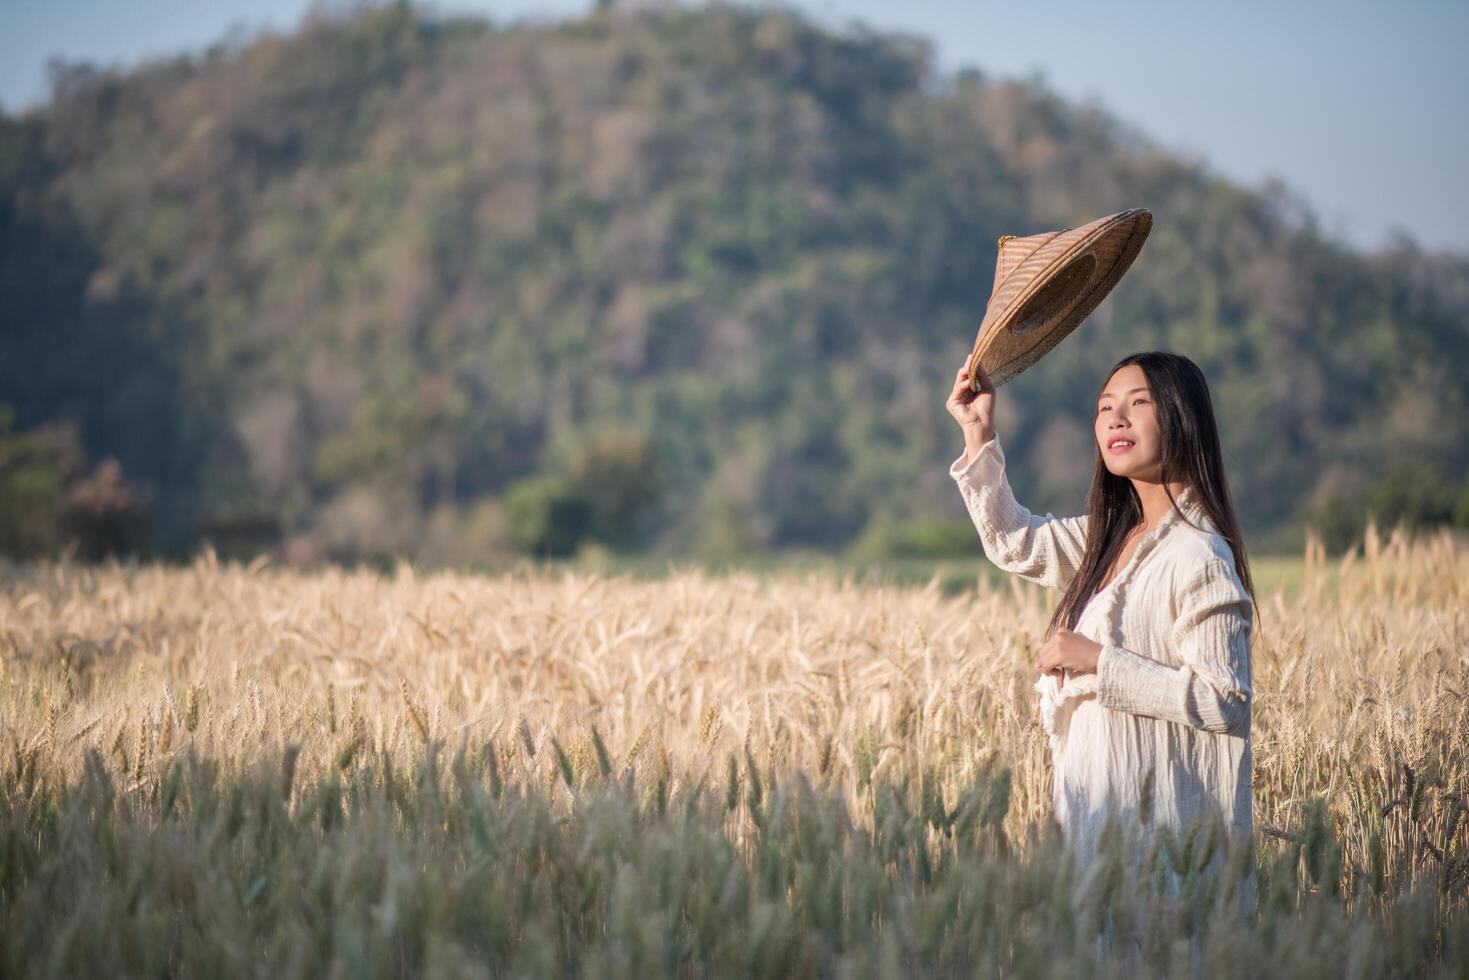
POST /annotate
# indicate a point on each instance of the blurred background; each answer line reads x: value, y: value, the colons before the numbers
x: 630, y: 282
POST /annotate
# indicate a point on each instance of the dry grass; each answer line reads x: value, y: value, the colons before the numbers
x: 566, y: 691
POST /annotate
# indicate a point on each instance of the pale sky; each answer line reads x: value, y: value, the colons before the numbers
x: 1362, y: 108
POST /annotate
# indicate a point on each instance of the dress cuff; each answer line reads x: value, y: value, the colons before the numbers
x: 985, y: 463
x: 1130, y: 682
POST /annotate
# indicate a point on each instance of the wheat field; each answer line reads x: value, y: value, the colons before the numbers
x: 222, y: 770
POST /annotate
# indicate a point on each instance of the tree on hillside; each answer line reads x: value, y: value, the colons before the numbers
x: 388, y: 271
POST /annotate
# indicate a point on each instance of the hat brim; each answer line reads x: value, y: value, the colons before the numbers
x: 1058, y: 298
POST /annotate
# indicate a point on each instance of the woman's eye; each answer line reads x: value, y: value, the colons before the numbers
x: 1137, y: 401
x: 1101, y: 410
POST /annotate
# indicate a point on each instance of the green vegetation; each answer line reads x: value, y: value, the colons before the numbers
x: 48, y: 502
x: 373, y: 288
x: 448, y: 868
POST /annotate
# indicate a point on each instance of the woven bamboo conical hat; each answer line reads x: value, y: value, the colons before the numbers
x: 1046, y: 284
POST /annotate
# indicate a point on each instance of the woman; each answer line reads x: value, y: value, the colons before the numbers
x: 1145, y: 669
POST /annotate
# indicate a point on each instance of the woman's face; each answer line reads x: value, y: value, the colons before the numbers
x: 1125, y: 415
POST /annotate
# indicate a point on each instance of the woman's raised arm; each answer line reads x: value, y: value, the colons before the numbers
x: 1047, y: 550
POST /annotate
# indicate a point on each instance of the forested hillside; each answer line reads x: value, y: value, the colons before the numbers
x: 688, y: 281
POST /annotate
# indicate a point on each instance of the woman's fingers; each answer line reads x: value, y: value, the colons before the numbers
x: 1048, y: 657
x: 983, y: 377
x: 964, y: 392
x: 961, y: 380
x: 961, y: 387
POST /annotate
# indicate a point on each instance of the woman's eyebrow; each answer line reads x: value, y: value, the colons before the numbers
x: 1108, y: 394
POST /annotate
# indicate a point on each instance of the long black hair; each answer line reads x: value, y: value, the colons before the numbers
x: 1191, y: 456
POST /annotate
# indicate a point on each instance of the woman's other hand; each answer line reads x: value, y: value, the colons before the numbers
x: 1065, y: 650
x: 973, y: 410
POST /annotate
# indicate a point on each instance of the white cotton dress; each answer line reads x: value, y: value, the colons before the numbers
x: 1171, y: 694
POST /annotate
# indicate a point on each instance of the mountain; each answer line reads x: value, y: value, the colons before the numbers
x: 687, y: 280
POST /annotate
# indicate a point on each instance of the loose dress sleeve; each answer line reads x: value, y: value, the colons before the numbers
x: 1046, y: 550
x: 1211, y: 690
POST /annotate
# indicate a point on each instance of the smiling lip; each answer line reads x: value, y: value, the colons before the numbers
x: 1120, y: 447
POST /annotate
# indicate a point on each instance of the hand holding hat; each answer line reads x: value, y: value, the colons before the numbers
x: 973, y: 406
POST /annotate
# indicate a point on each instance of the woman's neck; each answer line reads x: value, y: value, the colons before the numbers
x: 1154, y: 500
